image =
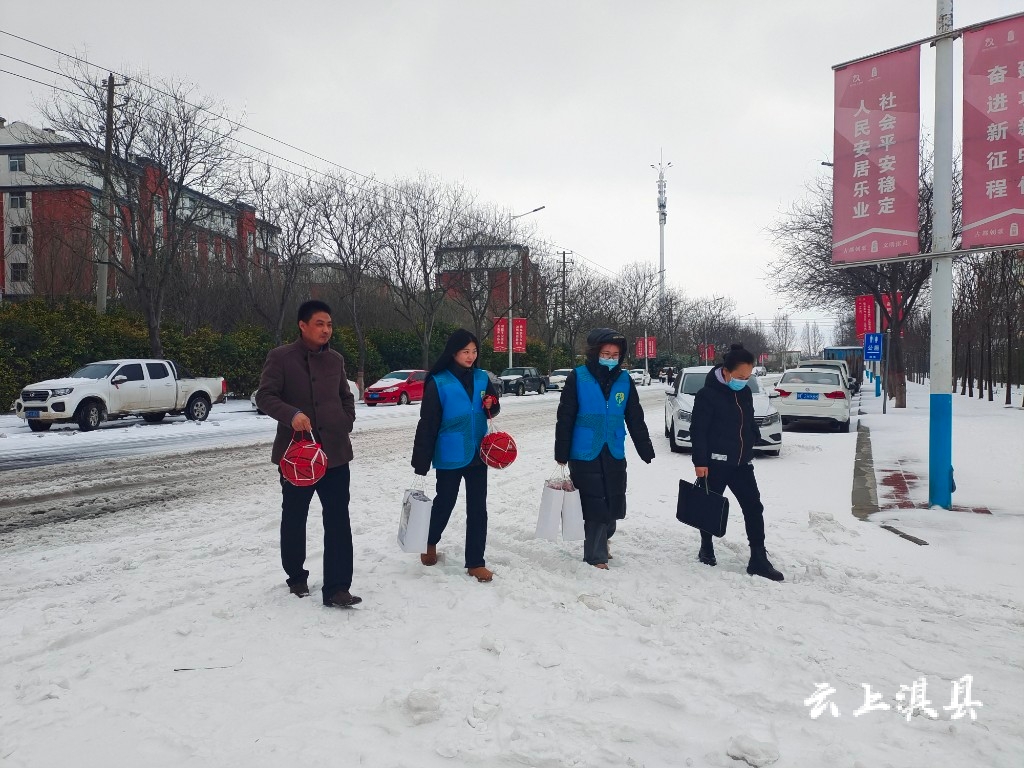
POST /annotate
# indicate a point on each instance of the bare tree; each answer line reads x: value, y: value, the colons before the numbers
x: 783, y: 335
x: 285, y: 246
x: 804, y: 271
x: 350, y: 225
x: 636, y: 298
x: 171, y: 149
x: 418, y: 217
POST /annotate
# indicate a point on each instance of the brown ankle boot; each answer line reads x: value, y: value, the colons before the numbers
x: 430, y: 556
x: 480, y: 573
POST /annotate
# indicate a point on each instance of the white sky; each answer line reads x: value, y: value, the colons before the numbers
x: 562, y: 104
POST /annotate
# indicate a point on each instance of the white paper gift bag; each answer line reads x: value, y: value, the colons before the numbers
x: 414, y: 526
x: 549, y: 520
x: 572, y: 516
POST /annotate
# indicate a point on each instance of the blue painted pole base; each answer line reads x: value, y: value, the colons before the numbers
x: 940, y: 451
x: 878, y: 386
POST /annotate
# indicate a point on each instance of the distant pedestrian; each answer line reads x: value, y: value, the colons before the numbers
x: 458, y: 398
x: 305, y: 389
x: 723, y: 434
x: 598, y: 403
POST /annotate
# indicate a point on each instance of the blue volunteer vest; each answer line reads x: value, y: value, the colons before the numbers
x: 463, y: 420
x: 599, y: 422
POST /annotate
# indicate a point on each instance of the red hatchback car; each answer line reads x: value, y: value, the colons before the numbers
x: 402, y: 387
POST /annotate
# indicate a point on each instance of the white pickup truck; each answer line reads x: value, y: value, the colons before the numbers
x: 113, y: 389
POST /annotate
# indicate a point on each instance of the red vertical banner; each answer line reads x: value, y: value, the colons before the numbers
x: 518, y: 334
x: 501, y: 335
x: 887, y: 303
x: 993, y: 155
x: 763, y: 358
x: 640, y: 348
x: 652, y: 347
x: 865, y: 315
x: 706, y: 352
x: 875, y: 160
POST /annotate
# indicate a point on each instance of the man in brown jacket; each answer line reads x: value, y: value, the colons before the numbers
x: 304, y: 388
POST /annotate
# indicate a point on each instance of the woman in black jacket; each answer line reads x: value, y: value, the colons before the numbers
x: 723, y: 434
x: 458, y: 398
x: 599, y: 402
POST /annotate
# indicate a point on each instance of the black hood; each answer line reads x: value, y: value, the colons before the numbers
x: 601, y: 336
x: 458, y: 340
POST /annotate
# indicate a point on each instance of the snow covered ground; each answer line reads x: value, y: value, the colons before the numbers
x: 155, y: 628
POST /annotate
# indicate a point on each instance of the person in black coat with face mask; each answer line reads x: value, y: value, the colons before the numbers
x: 598, y: 403
x: 723, y: 433
x: 458, y: 398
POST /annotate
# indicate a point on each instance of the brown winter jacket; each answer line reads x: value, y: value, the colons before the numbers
x: 296, y: 379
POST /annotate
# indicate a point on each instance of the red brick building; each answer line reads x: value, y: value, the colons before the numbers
x: 52, y: 233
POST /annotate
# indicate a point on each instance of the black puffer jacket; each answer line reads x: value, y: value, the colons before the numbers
x: 722, y: 424
x: 602, y: 480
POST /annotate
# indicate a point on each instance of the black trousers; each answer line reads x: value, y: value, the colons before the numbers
x: 333, y: 490
x: 741, y: 481
x: 448, y: 481
x: 595, y: 544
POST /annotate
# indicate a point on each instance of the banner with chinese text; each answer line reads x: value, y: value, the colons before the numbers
x: 887, y: 303
x: 646, y: 347
x: 501, y: 335
x: 518, y: 334
x: 993, y: 155
x: 865, y: 315
x: 706, y: 351
x: 875, y: 161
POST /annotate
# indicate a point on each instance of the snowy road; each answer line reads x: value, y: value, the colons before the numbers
x: 157, y: 630
x: 65, y: 474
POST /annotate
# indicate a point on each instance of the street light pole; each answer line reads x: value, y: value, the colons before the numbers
x: 508, y: 331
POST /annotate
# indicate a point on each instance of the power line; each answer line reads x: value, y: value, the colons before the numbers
x: 240, y: 126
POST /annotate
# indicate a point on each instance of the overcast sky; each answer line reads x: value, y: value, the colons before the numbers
x: 561, y: 104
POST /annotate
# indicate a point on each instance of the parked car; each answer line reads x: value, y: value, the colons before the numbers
x: 640, y: 377
x: 760, y: 370
x: 679, y: 410
x: 113, y: 389
x: 814, y: 394
x: 840, y: 365
x: 402, y: 387
x: 523, y: 380
x: 495, y: 382
x: 556, y: 380
x: 351, y: 385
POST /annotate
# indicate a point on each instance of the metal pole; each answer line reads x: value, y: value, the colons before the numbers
x: 940, y: 412
x: 108, y: 229
x: 885, y: 369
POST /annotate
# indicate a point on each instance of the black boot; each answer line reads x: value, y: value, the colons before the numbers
x: 707, y: 551
x: 759, y: 565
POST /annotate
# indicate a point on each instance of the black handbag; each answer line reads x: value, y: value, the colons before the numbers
x: 702, y: 508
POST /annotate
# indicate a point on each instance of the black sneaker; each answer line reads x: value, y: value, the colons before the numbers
x: 342, y: 599
x: 299, y: 589
x: 707, y: 554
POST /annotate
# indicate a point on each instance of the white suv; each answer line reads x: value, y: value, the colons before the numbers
x: 679, y: 410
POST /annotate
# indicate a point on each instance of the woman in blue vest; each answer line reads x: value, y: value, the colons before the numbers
x: 457, y: 398
x: 599, y: 402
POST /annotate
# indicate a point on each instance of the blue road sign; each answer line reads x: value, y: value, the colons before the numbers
x: 872, y: 346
